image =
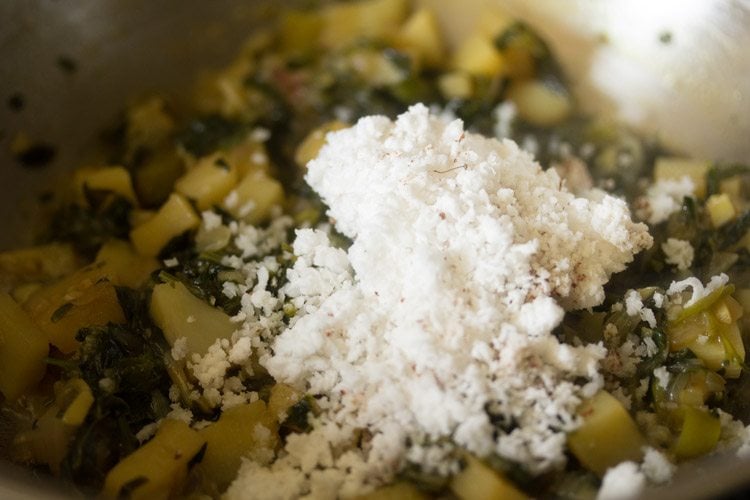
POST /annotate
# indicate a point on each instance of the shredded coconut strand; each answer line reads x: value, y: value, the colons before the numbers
x: 464, y: 254
x: 699, y: 291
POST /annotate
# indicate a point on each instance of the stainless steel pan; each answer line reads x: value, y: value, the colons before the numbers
x: 76, y: 63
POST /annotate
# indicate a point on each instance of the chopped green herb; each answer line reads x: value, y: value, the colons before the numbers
x: 205, y: 135
x: 87, y: 228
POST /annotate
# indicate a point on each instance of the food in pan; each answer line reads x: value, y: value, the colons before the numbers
x: 365, y: 264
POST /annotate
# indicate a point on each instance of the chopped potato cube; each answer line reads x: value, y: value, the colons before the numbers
x: 420, y: 35
x: 299, y: 30
x: 128, y: 268
x: 212, y: 240
x: 156, y: 176
x: 244, y: 431
x: 113, y: 179
x: 477, y: 481
x: 179, y: 313
x: 540, y: 104
x: 254, y: 198
x: 158, y: 469
x: 38, y: 263
x: 671, y: 168
x: 140, y: 216
x: 477, y: 55
x: 456, y: 85
x: 148, y: 124
x: 85, y: 298
x: 340, y: 25
x: 208, y: 182
x: 249, y: 156
x: 699, y: 435
x: 607, y: 436
x: 344, y: 23
x: 493, y: 20
x: 379, y: 18
x: 23, y: 347
x: 174, y: 218
x: 376, y: 67
x: 720, y: 209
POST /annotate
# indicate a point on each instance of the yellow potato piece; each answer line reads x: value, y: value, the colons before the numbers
x: 249, y: 156
x: 673, y: 168
x: 699, y: 435
x: 299, y: 30
x: 83, y: 299
x: 128, y: 268
x: 420, y: 35
x: 38, y: 263
x: 607, y: 436
x: 539, y: 104
x: 158, y: 469
x: 179, y: 313
x: 148, y: 124
x: 174, y: 218
x: 254, y: 198
x: 282, y: 398
x: 477, y: 481
x: 720, y: 209
x: 244, y: 431
x: 155, y: 178
x: 344, y: 23
x: 456, y: 85
x: 23, y: 347
x: 208, y: 182
x: 478, y: 56
x: 114, y: 179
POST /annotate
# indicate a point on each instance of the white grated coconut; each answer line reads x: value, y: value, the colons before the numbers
x: 464, y: 254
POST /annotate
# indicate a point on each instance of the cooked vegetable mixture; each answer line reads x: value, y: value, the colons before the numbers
x: 185, y: 325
